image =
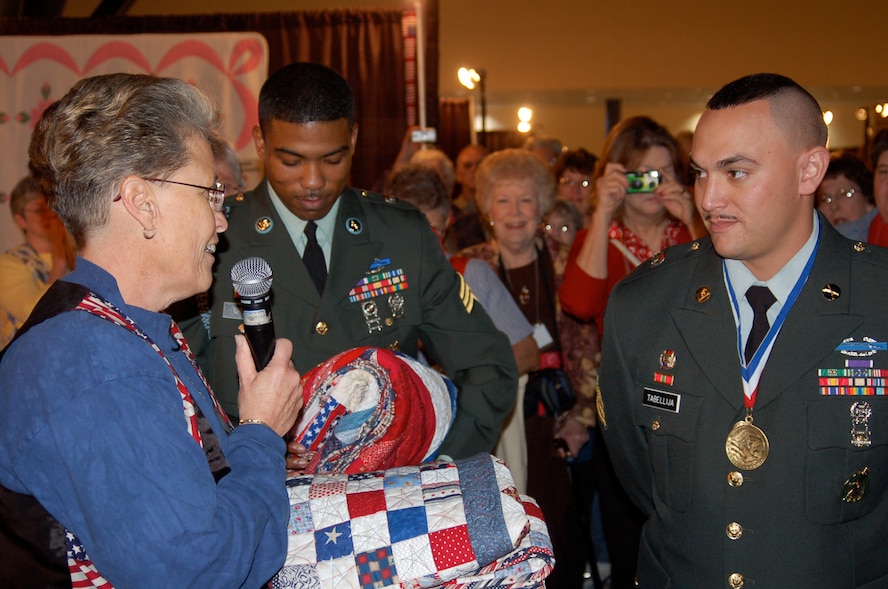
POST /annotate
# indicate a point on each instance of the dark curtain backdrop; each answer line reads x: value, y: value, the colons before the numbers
x: 365, y: 46
x: 455, y: 131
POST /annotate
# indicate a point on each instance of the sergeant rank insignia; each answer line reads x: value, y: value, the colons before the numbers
x: 466, y: 295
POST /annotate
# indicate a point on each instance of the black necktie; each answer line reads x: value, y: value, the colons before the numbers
x: 760, y: 299
x: 313, y: 257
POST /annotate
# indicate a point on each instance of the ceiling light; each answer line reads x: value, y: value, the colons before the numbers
x: 468, y: 77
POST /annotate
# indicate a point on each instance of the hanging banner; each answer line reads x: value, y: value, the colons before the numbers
x: 230, y: 67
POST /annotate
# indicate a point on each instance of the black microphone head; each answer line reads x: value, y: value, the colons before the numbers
x: 251, y: 277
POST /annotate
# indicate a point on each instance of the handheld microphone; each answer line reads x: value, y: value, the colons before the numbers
x: 251, y: 278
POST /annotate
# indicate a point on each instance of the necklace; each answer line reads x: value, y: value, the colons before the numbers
x: 524, y: 295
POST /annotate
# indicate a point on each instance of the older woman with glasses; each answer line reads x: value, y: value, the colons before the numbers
x: 845, y: 196
x: 116, y: 463
x: 574, y: 173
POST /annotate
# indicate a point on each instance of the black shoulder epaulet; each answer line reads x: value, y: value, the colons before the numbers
x: 673, y: 255
x: 377, y: 198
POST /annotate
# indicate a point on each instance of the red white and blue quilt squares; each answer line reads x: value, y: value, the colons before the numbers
x: 442, y: 524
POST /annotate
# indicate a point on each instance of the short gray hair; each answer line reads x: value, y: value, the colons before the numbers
x: 107, y: 128
x: 514, y: 164
x: 437, y: 160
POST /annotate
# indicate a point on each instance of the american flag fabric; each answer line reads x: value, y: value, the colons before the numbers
x: 445, y: 524
x: 83, y: 572
x: 370, y: 409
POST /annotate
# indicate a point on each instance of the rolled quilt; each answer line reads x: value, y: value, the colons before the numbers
x: 370, y: 409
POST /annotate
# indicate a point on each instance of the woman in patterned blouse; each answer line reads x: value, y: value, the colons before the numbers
x: 27, y: 270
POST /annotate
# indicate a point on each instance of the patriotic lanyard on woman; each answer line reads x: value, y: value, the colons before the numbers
x: 747, y: 445
x: 80, y: 566
x: 98, y: 306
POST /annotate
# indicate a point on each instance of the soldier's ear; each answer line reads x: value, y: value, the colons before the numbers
x: 813, y: 165
x: 354, y: 137
x: 259, y: 142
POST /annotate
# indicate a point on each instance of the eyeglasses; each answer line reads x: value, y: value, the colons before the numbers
x: 562, y: 228
x: 215, y: 193
x: 569, y: 182
x: 846, y: 192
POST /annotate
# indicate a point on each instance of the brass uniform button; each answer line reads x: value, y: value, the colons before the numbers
x: 321, y: 328
x: 831, y: 292
x: 703, y: 293
x: 389, y: 321
x: 859, y: 246
x: 655, y: 425
x: 736, y: 580
x: 695, y: 246
x: 734, y: 530
x: 657, y: 259
x: 735, y: 479
x: 263, y: 225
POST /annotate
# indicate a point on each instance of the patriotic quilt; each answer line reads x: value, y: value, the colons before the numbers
x: 446, y: 524
x: 370, y: 409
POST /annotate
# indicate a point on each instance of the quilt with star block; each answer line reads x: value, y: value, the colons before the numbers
x: 444, y: 524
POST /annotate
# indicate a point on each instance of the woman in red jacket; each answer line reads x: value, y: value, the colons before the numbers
x: 635, y: 216
x: 628, y: 225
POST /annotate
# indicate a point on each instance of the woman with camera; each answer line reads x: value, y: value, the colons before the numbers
x: 630, y: 222
x: 641, y: 207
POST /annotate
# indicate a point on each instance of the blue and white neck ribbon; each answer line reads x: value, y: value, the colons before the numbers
x: 752, y: 372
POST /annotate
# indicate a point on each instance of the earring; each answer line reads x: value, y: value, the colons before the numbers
x: 491, y: 222
x: 149, y: 233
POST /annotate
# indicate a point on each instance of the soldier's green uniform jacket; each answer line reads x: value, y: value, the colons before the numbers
x: 372, y: 237
x: 815, y: 513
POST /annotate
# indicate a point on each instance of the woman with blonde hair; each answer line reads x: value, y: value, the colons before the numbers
x: 515, y: 190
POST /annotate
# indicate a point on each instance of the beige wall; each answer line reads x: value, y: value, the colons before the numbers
x: 566, y: 57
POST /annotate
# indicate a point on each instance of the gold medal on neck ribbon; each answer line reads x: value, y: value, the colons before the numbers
x: 747, y: 446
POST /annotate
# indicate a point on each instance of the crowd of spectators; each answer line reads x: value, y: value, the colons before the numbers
x: 540, y: 234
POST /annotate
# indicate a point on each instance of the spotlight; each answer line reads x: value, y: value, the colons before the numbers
x: 472, y: 78
x: 468, y: 77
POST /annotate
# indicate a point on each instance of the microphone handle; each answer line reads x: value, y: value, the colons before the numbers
x: 259, y: 328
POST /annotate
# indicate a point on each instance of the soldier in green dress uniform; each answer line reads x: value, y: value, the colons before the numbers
x: 388, y: 283
x: 751, y: 427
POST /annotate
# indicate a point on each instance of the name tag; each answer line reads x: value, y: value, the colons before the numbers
x: 232, y: 311
x: 665, y: 400
x: 541, y: 335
